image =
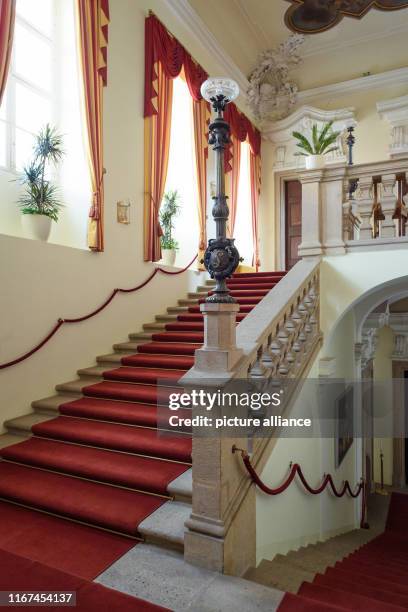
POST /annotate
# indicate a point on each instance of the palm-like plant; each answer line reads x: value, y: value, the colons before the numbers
x: 321, y: 142
x: 41, y: 196
x: 170, y: 208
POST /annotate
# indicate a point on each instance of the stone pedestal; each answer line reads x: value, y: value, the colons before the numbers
x: 220, y: 536
x: 219, y: 352
x: 332, y: 212
x: 311, y: 214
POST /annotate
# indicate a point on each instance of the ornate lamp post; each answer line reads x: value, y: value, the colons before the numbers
x: 350, y: 143
x: 221, y: 257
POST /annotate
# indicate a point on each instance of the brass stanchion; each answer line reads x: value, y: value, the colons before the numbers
x: 381, y: 490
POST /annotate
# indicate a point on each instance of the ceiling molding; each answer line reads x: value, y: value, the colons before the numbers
x: 281, y: 131
x: 329, y: 47
x: 257, y: 31
x: 193, y: 22
x: 373, y: 81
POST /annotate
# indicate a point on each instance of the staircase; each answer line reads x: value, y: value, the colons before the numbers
x: 359, y: 570
x: 93, y: 452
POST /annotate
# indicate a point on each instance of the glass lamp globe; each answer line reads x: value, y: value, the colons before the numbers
x: 219, y: 86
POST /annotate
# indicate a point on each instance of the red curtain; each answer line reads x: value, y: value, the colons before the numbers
x: 161, y: 47
x: 92, y: 22
x: 255, y: 176
x: 7, y: 17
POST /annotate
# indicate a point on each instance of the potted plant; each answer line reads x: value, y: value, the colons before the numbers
x: 170, y: 208
x: 320, y: 146
x: 39, y: 202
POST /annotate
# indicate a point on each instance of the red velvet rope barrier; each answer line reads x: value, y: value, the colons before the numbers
x: 62, y: 321
x: 296, y: 469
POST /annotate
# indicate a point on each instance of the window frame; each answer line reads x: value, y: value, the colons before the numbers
x: 14, y: 79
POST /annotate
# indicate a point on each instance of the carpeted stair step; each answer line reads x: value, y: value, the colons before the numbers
x: 159, y: 361
x: 360, y: 587
x: 140, y: 393
x: 89, y: 502
x: 127, y: 347
x: 125, y: 438
x: 193, y: 337
x: 169, y: 348
x: 22, y: 426
x: 129, y: 413
x: 384, y: 584
x: 121, y: 469
x: 195, y: 310
x: 350, y: 601
x: 245, y: 293
x: 188, y: 326
x: 297, y: 603
x: 381, y: 572
x: 279, y: 273
x: 148, y: 376
x: 374, y: 568
x: 244, y: 300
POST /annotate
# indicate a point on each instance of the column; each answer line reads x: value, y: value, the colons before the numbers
x: 332, y: 211
x: 311, y: 213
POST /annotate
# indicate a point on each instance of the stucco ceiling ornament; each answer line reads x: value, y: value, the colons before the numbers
x: 271, y: 93
x: 314, y: 16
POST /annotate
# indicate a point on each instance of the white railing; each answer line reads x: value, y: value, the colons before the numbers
x: 352, y: 207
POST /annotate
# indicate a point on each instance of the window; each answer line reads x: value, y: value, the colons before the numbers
x: 44, y: 85
x: 28, y: 100
x: 182, y: 173
x: 243, y: 220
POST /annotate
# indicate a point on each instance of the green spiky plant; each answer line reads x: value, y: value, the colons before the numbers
x: 170, y: 209
x: 40, y: 196
x: 321, y: 142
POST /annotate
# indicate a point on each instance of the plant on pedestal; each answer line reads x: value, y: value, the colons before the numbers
x: 320, y: 146
x: 169, y: 209
x: 39, y: 203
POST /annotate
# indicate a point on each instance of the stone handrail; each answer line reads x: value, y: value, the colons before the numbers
x: 352, y: 207
x: 278, y: 339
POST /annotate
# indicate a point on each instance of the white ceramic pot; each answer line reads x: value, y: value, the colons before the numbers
x: 169, y: 256
x: 37, y: 226
x: 314, y: 162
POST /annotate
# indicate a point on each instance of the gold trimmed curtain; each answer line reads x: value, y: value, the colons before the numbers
x: 92, y: 30
x: 157, y: 128
x: 201, y: 118
x: 7, y: 19
x: 232, y: 183
x: 255, y: 176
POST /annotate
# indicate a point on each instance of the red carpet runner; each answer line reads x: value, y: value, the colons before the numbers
x: 19, y: 574
x: 374, y: 578
x: 103, y: 461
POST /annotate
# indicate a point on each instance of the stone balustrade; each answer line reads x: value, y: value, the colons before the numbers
x: 345, y: 208
x: 277, y: 341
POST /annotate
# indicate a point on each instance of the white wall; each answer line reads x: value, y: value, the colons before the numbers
x: 42, y: 281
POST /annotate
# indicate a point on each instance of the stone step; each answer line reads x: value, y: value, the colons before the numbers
x: 153, y: 327
x: 181, y: 488
x: 311, y: 563
x: 92, y: 372
x: 50, y: 405
x: 9, y: 439
x: 140, y: 337
x: 177, y: 309
x: 167, y: 318
x: 189, y: 302
x: 76, y: 386
x: 280, y: 575
x: 126, y: 347
x: 165, y: 527
x: 197, y: 295
x: 21, y: 426
x: 164, y: 578
x: 112, y: 359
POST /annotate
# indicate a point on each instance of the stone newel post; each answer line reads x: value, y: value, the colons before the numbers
x: 311, y: 213
x: 215, y: 537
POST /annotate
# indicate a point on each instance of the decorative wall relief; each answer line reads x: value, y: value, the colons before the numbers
x: 314, y: 16
x: 271, y: 93
x: 280, y: 133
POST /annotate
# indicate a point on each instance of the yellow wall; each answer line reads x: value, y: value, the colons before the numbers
x: 383, y: 403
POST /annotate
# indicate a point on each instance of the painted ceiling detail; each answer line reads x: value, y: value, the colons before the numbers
x: 271, y: 94
x: 314, y: 16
